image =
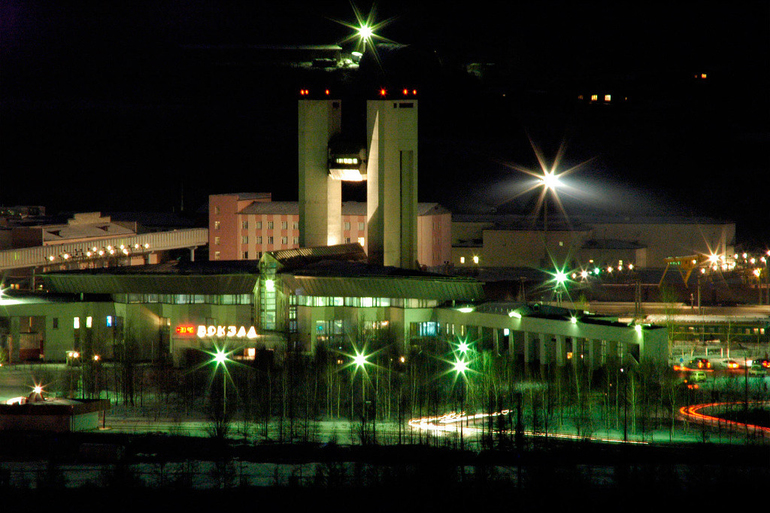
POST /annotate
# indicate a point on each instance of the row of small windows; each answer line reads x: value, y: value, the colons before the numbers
x: 270, y: 225
x: 363, y: 302
x: 186, y: 299
x: 258, y: 225
x: 361, y: 226
x: 270, y: 240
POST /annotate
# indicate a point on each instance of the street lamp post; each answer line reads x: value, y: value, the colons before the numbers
x: 220, y: 358
x: 360, y: 361
x: 460, y: 367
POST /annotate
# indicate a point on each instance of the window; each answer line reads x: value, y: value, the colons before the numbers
x: 475, y: 259
x: 607, y: 97
x: 216, y: 241
x: 270, y: 240
x: 245, y: 255
x: 269, y: 225
x: 259, y: 225
x: 217, y: 255
x: 462, y: 260
x: 347, y: 240
x: 361, y: 226
x: 216, y: 209
x: 217, y: 224
x: 295, y: 225
x: 295, y: 240
x: 245, y: 225
x: 284, y: 225
x: 245, y: 239
x: 362, y: 241
x: 55, y: 323
x: 284, y: 240
x: 347, y: 225
x: 259, y: 239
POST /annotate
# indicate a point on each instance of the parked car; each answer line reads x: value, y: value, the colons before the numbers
x: 692, y: 379
x: 700, y: 363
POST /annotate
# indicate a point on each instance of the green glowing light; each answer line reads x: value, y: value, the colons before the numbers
x: 360, y: 359
x: 220, y: 357
x: 460, y: 366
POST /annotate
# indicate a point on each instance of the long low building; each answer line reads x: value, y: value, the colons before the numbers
x: 300, y: 300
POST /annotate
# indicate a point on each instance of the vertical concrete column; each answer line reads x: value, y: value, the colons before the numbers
x: 392, y: 182
x: 560, y: 347
x: 528, y: 341
x: 334, y: 212
x: 318, y: 121
x: 542, y: 349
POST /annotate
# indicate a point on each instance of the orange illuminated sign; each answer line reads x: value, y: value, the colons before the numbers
x: 216, y: 331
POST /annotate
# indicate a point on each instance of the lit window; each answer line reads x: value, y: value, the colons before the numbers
x: 475, y: 259
x: 362, y: 241
x: 594, y: 97
x: 607, y: 97
x: 76, y: 323
x: 217, y: 224
x: 462, y: 260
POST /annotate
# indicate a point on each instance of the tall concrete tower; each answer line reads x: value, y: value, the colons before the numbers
x: 326, y: 159
x: 392, y: 180
x: 320, y: 195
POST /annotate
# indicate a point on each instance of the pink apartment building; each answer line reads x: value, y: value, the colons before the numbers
x: 243, y: 226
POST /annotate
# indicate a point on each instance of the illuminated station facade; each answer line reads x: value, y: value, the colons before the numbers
x: 327, y: 291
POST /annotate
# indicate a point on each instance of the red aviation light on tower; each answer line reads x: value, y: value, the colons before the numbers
x: 405, y: 92
x: 318, y: 93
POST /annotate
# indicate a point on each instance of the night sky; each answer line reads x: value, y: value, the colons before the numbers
x: 105, y: 107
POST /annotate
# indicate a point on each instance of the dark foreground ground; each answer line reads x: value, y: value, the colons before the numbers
x: 542, y: 475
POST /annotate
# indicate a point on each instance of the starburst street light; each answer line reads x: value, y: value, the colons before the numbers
x: 548, y: 179
x: 365, y: 31
x: 220, y: 358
